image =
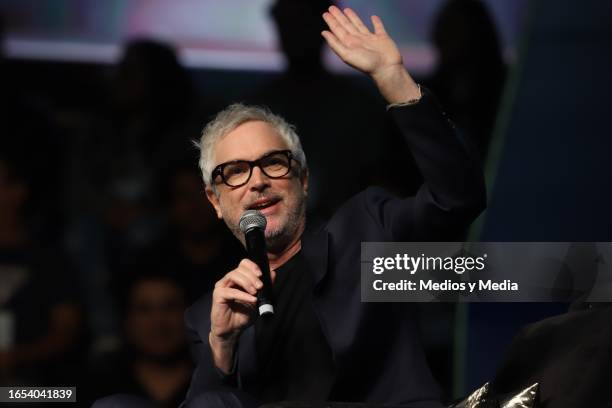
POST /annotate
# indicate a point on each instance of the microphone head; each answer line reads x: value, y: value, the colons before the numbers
x: 252, y: 219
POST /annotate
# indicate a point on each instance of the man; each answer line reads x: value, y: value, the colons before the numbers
x: 323, y: 344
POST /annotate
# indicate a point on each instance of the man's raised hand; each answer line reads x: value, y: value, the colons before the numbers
x: 374, y: 53
x: 356, y: 45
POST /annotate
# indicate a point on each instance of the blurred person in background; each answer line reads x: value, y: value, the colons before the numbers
x: 41, y: 321
x: 470, y: 74
x: 151, y: 116
x: 154, y: 365
x: 26, y: 128
x: 42, y: 325
x: 145, y: 126
x: 195, y: 247
x: 152, y: 113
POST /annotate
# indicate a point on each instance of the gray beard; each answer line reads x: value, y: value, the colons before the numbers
x: 278, y: 241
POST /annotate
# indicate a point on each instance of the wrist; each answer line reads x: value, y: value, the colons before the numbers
x: 395, y: 84
x: 223, y: 342
x: 222, y: 352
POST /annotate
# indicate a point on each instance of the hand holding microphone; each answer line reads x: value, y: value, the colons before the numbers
x: 239, y: 292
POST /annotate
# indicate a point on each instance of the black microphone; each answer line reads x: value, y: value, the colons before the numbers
x: 253, y: 225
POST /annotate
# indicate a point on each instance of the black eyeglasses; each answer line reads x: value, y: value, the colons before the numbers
x: 238, y: 172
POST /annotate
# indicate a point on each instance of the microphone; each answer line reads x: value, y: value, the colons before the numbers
x: 253, y: 225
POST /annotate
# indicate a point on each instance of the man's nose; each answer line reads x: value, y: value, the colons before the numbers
x: 259, y: 181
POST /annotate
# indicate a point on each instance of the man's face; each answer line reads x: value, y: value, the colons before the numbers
x: 282, y: 201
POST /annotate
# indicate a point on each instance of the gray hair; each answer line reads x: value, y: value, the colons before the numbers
x: 235, y: 115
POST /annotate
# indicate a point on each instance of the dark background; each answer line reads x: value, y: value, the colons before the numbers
x: 104, y: 225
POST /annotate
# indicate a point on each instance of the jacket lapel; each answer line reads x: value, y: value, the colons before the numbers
x: 314, y: 247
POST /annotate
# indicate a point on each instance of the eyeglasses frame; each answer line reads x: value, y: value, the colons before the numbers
x: 218, y: 170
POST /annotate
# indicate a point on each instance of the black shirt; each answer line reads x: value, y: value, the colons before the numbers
x: 295, y: 359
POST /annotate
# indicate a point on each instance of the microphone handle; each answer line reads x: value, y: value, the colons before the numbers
x: 256, y: 249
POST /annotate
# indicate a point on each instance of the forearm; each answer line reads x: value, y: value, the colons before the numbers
x: 453, y: 180
x: 222, y: 353
x: 450, y: 171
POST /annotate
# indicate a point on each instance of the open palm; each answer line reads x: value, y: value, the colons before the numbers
x: 355, y: 44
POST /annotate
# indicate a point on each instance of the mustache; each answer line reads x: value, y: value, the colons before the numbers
x: 262, y: 198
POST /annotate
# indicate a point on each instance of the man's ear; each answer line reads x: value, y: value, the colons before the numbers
x: 214, y: 200
x: 304, y: 177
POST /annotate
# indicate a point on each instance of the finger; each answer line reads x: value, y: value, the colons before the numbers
x: 335, y: 44
x: 379, y: 28
x: 356, y: 21
x: 252, y: 272
x: 341, y: 18
x: 236, y: 278
x: 248, y: 275
x: 334, y: 25
x: 250, y: 265
x: 226, y: 295
x: 245, y: 263
x: 246, y: 308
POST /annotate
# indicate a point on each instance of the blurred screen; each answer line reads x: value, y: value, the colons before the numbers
x: 226, y: 34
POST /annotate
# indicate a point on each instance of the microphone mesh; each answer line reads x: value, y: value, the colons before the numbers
x: 252, y: 219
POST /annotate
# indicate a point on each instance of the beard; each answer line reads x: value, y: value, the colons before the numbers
x: 285, y: 233
x: 280, y: 236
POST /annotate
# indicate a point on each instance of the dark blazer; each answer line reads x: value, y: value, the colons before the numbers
x: 375, y: 345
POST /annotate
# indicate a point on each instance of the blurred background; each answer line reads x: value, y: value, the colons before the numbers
x: 105, y: 235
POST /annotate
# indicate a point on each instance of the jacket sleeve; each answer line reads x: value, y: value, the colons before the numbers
x: 453, y: 192
x: 206, y: 376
